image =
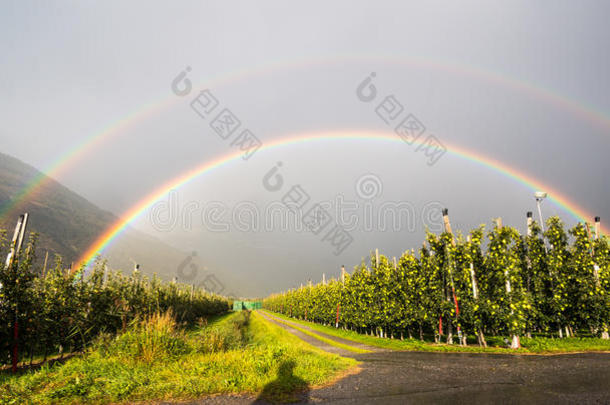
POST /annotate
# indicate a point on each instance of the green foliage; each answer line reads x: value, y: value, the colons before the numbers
x: 148, y: 340
x: 63, y: 312
x: 509, y: 285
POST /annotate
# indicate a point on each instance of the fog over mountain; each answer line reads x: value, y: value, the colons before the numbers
x: 67, y: 224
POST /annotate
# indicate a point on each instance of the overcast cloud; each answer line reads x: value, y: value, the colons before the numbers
x: 523, y: 83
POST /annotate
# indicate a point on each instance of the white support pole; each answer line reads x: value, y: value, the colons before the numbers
x: 22, y: 232
x: 539, y: 195
x: 17, y: 239
x: 16, y: 244
x: 538, y: 201
x: 475, y: 291
x: 595, y: 266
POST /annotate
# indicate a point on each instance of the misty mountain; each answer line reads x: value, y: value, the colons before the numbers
x: 67, y: 224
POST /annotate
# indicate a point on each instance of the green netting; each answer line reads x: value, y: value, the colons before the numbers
x: 251, y: 305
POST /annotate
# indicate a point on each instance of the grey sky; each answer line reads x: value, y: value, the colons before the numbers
x: 70, y: 69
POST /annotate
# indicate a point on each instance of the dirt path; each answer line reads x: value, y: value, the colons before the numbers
x: 393, y: 377
x: 311, y: 340
x: 282, y: 322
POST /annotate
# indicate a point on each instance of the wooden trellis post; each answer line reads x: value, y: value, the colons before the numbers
x: 515, y: 342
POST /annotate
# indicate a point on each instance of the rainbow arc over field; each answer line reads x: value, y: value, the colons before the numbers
x: 346, y: 135
x: 69, y: 159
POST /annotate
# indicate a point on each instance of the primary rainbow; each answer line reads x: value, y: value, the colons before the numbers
x: 133, y: 213
x: 88, y: 145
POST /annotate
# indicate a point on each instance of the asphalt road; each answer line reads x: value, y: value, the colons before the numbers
x: 391, y: 377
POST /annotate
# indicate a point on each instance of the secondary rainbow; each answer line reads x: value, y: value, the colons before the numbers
x: 89, y: 144
x: 132, y: 214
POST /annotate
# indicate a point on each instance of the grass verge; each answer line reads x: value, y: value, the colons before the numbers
x: 536, y: 345
x: 156, y: 360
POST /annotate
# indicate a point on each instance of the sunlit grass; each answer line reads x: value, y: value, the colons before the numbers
x: 572, y: 344
x: 156, y: 360
x: 532, y: 345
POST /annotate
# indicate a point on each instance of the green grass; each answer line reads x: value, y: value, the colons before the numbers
x: 155, y: 360
x: 565, y: 345
x: 539, y: 345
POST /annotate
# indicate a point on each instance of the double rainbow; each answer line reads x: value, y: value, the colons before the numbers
x: 138, y: 209
x: 69, y: 159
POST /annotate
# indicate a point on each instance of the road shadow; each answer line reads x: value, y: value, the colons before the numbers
x: 287, y: 387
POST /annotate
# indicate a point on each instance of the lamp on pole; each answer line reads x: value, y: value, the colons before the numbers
x: 540, y: 195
